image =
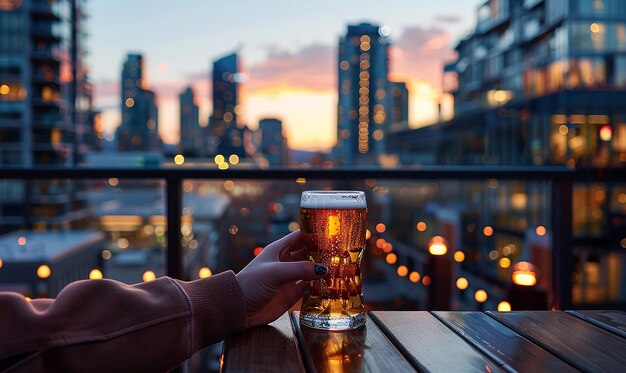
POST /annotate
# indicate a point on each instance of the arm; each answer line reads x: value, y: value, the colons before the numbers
x: 105, y: 325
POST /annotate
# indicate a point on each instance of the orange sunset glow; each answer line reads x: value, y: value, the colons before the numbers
x: 298, y: 86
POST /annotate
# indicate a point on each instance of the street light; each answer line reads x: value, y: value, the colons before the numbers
x: 524, y: 274
x: 438, y: 246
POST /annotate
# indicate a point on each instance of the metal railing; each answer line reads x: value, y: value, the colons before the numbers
x: 561, y: 179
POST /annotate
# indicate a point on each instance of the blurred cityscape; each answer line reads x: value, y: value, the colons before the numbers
x: 536, y: 83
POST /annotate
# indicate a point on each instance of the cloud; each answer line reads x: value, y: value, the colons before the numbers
x: 421, y: 53
x: 448, y: 18
x: 311, y: 67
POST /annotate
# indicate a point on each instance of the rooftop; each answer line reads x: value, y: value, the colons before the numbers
x: 29, y: 246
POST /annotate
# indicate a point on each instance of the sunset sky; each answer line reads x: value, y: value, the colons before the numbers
x: 288, y: 51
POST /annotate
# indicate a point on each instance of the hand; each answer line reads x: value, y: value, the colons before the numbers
x: 274, y: 280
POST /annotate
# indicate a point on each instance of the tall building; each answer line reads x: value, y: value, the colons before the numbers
x: 190, y: 136
x: 140, y: 115
x: 539, y: 83
x: 363, y: 107
x: 273, y: 141
x: 547, y: 79
x: 225, y: 136
x: 45, y: 109
x: 399, y: 113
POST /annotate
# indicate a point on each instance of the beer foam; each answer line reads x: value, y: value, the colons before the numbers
x: 333, y: 199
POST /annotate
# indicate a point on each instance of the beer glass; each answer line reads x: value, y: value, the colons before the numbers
x: 333, y: 226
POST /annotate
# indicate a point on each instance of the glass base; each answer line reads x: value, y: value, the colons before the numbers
x: 332, y: 323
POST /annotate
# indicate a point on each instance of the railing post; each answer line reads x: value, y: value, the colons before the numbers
x: 562, y: 244
x: 174, y: 200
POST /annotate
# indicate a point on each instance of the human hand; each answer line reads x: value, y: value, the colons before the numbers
x: 274, y: 280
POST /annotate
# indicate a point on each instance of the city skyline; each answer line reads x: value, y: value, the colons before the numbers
x: 290, y: 69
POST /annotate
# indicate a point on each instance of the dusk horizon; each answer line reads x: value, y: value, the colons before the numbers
x: 293, y: 80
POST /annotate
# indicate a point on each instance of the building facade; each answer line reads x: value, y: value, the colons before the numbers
x: 545, y: 78
x: 225, y: 135
x: 46, y: 118
x: 273, y: 141
x: 538, y: 82
x: 364, y: 103
x: 190, y: 136
x: 399, y: 113
x: 140, y: 114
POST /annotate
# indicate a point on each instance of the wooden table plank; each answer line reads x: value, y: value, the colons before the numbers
x: 429, y: 344
x: 579, y: 343
x: 501, y: 344
x: 361, y: 350
x: 263, y: 349
x: 612, y: 320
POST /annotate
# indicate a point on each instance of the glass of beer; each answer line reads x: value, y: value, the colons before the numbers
x: 333, y: 226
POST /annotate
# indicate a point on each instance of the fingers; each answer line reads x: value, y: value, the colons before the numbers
x: 287, y: 295
x: 283, y: 245
x: 292, y: 292
x: 297, y: 255
x: 285, y: 272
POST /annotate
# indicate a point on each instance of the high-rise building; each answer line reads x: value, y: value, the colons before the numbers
x: 45, y: 109
x: 225, y: 136
x: 545, y: 81
x: 399, y: 113
x: 363, y: 107
x: 540, y: 83
x: 273, y: 141
x: 140, y: 122
x: 190, y: 137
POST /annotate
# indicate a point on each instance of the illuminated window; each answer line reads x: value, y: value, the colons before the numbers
x: 9, y: 5
x: 12, y: 92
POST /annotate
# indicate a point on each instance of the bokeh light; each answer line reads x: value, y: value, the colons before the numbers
x: 391, y: 258
x: 459, y: 256
x: 204, y: 272
x: 179, y: 159
x: 438, y: 246
x: 462, y: 283
x: 504, y: 306
x: 480, y: 295
x: 524, y: 274
x: 149, y: 276
x: 95, y: 274
x: 44, y: 271
x: 403, y: 271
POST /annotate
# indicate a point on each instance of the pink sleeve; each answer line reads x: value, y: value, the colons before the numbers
x: 105, y: 325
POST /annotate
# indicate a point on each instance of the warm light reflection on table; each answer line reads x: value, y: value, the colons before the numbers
x: 336, y: 351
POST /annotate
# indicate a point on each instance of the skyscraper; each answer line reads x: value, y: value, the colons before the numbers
x: 225, y: 137
x: 45, y: 109
x: 540, y: 83
x: 190, y: 138
x: 399, y: 113
x: 363, y: 107
x: 139, y: 127
x: 273, y: 141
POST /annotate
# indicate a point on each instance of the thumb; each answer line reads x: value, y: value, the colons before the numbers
x: 295, y: 271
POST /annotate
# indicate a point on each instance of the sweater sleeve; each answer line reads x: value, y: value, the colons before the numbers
x: 105, y: 325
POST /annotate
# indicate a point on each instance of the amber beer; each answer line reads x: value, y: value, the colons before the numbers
x: 333, y: 225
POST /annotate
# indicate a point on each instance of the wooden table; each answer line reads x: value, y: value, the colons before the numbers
x: 590, y: 341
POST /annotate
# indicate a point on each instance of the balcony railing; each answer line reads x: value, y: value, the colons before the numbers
x: 561, y: 179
